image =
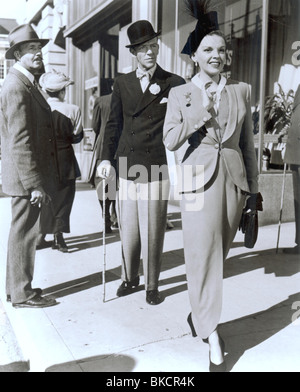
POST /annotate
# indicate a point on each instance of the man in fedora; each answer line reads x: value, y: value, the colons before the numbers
x: 134, y: 136
x: 29, y: 162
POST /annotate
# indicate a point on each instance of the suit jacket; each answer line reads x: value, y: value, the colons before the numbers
x: 135, y: 126
x: 68, y: 130
x: 100, y: 118
x: 29, y: 156
x: 292, y: 155
x: 200, y: 148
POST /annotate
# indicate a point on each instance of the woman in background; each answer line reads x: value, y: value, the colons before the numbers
x: 55, y: 218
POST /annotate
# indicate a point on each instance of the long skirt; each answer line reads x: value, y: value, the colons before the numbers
x: 55, y: 217
x: 210, y: 219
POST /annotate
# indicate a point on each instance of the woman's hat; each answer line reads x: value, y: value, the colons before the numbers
x: 21, y: 35
x: 54, y: 81
x: 207, y: 23
x: 140, y: 32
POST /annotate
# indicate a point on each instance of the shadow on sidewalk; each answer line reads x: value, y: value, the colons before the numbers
x: 88, y: 241
x: 273, y: 263
x: 101, y: 363
x: 81, y: 284
x: 247, y: 332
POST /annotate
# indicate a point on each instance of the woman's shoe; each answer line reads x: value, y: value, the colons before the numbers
x: 213, y: 368
x: 190, y: 322
x: 59, y: 243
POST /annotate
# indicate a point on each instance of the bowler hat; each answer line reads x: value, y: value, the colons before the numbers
x: 140, y: 32
x: 20, y: 35
x: 54, y: 81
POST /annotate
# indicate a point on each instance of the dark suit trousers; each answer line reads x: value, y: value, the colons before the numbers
x: 296, y: 186
x: 21, y: 249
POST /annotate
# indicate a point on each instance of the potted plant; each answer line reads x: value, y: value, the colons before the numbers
x: 277, y: 119
x: 278, y: 111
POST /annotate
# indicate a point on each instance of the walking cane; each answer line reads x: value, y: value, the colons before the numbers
x: 104, y: 239
x: 281, y: 206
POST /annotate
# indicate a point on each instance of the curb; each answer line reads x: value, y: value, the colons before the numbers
x: 11, y: 357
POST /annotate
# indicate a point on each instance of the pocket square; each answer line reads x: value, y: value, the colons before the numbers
x: 164, y: 100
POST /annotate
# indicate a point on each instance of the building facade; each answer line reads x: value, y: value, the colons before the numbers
x: 263, y: 49
x: 6, y: 25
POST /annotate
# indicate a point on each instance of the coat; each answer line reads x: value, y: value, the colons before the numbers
x: 200, y: 148
x: 135, y: 127
x: 100, y: 117
x: 293, y: 143
x: 68, y: 127
x: 29, y: 155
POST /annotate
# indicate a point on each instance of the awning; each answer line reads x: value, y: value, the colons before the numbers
x: 94, y: 25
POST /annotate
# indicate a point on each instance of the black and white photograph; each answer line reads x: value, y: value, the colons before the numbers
x: 149, y: 189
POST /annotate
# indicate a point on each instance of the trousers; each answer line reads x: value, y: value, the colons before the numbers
x: 21, y: 249
x: 142, y: 217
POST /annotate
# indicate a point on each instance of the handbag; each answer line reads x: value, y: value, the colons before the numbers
x: 249, y: 220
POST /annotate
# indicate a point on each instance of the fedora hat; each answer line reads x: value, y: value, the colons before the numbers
x: 20, y: 35
x: 140, y: 32
x: 54, y: 81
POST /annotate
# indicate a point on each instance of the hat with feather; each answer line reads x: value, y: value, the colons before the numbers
x: 207, y: 22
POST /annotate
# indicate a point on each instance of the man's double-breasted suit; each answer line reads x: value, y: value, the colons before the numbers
x: 29, y: 161
x: 133, y: 136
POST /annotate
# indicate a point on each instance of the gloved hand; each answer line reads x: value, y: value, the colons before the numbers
x: 254, y: 202
x: 104, y: 169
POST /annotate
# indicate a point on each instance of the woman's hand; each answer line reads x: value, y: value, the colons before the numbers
x: 208, y: 96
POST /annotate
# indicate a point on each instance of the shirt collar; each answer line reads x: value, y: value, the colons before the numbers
x: 149, y: 71
x: 24, y: 71
x: 199, y: 82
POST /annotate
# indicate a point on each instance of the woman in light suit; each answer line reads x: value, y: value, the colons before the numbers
x: 208, y: 125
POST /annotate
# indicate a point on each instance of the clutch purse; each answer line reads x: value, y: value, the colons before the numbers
x: 249, y: 220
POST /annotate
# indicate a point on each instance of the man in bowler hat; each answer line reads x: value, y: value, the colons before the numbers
x: 134, y: 136
x: 29, y: 162
x: 292, y: 158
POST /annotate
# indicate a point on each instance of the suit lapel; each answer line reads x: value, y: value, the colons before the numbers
x: 233, y: 111
x: 36, y: 94
x: 160, y: 79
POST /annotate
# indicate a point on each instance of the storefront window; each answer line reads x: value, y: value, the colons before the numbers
x: 282, y: 76
x: 91, y: 81
x: 242, y: 21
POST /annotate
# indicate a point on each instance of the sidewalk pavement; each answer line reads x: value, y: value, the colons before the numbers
x: 259, y: 322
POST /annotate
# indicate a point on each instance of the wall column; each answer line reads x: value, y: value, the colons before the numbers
x: 145, y: 9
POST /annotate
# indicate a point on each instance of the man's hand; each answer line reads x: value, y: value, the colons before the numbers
x: 39, y: 197
x: 104, y: 170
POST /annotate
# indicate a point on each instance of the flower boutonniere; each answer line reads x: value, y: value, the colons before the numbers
x: 154, y: 89
x: 188, y: 99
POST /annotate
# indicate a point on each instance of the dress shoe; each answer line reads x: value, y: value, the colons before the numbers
x: 42, y: 243
x: 213, y: 368
x: 59, y: 243
x: 292, y: 251
x: 36, y: 302
x: 37, y: 291
x: 153, y: 297
x: 126, y: 288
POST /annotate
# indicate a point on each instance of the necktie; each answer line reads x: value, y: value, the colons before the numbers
x: 144, y: 78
